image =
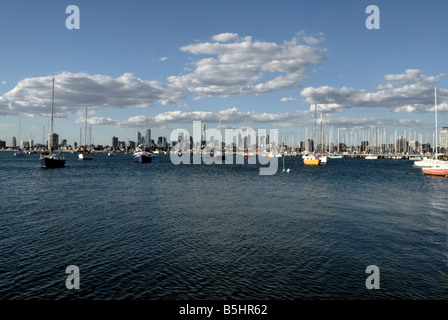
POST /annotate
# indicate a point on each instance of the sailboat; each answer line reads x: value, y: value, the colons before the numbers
x: 322, y: 157
x: 142, y: 156
x: 435, y: 166
x: 85, y: 154
x: 19, y: 152
x: 49, y: 159
x: 311, y: 159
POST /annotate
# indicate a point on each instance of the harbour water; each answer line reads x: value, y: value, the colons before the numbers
x: 163, y: 231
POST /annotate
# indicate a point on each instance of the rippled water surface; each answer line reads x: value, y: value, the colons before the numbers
x: 164, y: 231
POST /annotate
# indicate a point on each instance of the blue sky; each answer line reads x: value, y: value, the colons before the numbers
x: 263, y: 64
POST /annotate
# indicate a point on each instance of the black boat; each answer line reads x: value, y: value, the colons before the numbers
x: 49, y: 159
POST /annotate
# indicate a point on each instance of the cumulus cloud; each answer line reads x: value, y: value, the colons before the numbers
x: 225, y: 37
x: 235, y: 65
x: 411, y: 91
x: 32, y: 96
x: 228, y: 65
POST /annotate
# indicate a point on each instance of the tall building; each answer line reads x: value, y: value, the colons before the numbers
x: 309, y: 145
x: 148, y: 137
x: 444, y: 138
x: 414, y: 146
x: 114, y: 142
x: 401, y: 145
x: 139, y: 138
x: 14, y: 142
x: 53, y: 141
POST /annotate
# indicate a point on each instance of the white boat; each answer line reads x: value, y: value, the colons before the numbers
x: 433, y: 166
x: 427, y: 162
x: 438, y: 169
x: 323, y: 159
x: 85, y: 156
x: 371, y: 157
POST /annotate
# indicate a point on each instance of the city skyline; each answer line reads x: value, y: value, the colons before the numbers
x: 266, y: 64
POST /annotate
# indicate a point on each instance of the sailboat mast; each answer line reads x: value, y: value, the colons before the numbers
x: 435, y: 106
x: 85, y: 133
x: 51, y: 126
x: 315, y: 113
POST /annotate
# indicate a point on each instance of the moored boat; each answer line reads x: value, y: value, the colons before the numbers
x: 439, y: 169
x: 19, y: 153
x: 311, y: 160
x: 48, y: 159
x: 142, y: 157
x: 52, y: 160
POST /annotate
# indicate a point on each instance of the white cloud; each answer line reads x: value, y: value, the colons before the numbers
x: 31, y: 96
x: 290, y: 100
x: 416, y: 94
x: 225, y: 37
x: 163, y: 59
x: 241, y: 66
x: 3, y: 82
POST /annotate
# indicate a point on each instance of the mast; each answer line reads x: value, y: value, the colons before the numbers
x: 435, y: 104
x: 85, y: 133
x: 314, y: 141
x: 51, y: 127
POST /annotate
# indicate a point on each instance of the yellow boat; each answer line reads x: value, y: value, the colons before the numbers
x: 311, y: 160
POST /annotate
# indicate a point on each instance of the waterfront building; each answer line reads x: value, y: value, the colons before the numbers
x: 309, y: 145
x: 53, y: 140
x: 139, y: 138
x: 2, y: 144
x: 401, y: 145
x: 148, y: 138
x: 414, y: 146
x: 114, y: 142
x: 25, y: 145
x: 14, y: 143
x: 444, y: 138
x: 130, y: 144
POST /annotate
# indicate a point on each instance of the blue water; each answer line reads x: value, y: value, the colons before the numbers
x: 164, y: 231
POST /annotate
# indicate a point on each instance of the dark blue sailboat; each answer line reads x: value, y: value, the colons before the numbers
x: 48, y: 159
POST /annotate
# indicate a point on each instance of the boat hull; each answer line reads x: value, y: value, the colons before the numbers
x: 142, y: 159
x: 84, y: 156
x: 436, y: 171
x: 49, y: 163
x: 311, y: 162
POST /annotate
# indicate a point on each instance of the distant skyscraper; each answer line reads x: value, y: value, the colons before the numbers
x: 139, y: 138
x: 14, y: 142
x: 53, y: 141
x: 114, y: 142
x: 148, y: 137
x: 401, y: 144
x: 444, y: 138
